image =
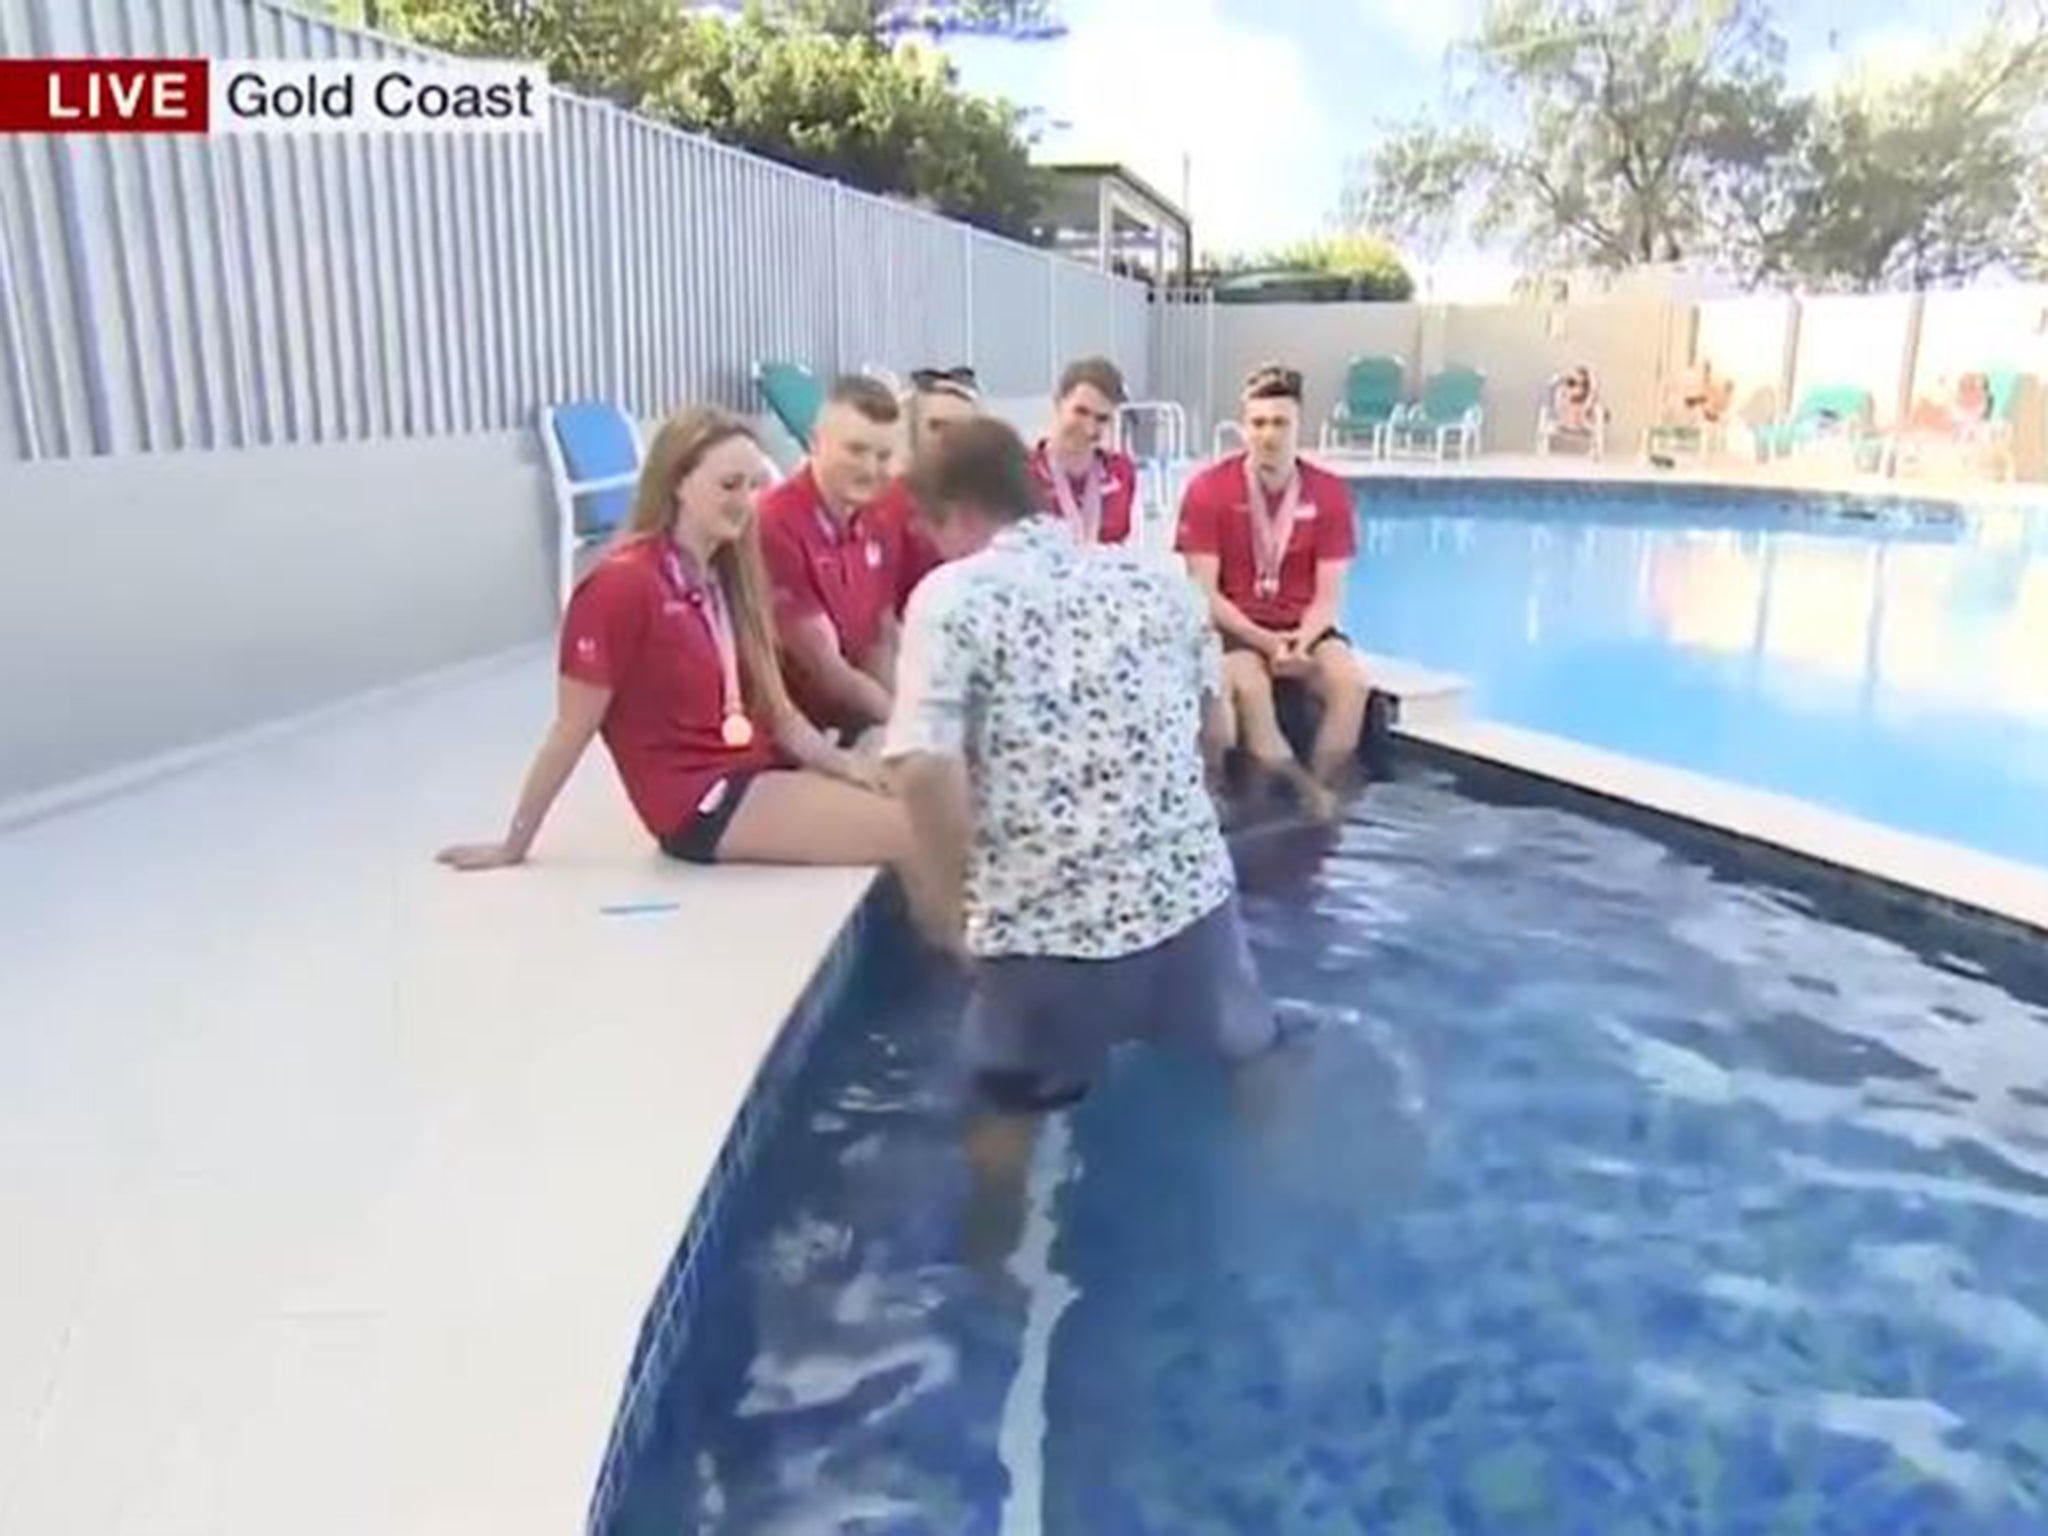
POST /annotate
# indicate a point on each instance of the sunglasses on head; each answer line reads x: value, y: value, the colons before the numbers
x: 961, y: 377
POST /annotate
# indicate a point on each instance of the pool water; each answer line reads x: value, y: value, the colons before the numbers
x: 1594, y: 1191
x: 1895, y: 667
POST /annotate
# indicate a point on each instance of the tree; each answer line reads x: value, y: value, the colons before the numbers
x: 889, y: 120
x: 811, y: 83
x: 1365, y: 266
x: 1923, y: 178
x: 1629, y: 114
x: 1660, y: 130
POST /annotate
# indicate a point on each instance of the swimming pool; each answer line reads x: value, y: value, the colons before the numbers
x: 1602, y: 1187
x: 1889, y: 659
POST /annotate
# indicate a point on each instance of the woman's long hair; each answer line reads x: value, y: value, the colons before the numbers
x: 678, y: 448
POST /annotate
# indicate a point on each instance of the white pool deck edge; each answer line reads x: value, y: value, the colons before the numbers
x: 337, y: 1185
x: 2002, y: 888
x: 1624, y: 466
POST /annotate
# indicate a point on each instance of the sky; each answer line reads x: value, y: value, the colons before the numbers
x: 1270, y: 98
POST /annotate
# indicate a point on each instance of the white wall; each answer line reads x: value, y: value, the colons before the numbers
x: 1628, y: 343
x: 1318, y: 339
x: 1860, y: 339
x: 1982, y: 330
x: 154, y: 602
x: 1749, y: 341
x: 1519, y: 347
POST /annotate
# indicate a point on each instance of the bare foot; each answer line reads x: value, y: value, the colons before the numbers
x: 1316, y: 800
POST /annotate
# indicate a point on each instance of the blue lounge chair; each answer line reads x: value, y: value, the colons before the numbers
x: 795, y: 397
x: 593, y: 451
x: 1372, y: 397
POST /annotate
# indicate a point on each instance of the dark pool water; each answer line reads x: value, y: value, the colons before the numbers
x: 1595, y: 1191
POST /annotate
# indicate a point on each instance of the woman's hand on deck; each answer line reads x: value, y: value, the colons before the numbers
x: 470, y: 857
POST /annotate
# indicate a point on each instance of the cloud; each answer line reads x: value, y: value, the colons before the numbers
x: 1237, y: 100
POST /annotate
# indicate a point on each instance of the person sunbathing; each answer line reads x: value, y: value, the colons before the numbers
x: 1574, y: 402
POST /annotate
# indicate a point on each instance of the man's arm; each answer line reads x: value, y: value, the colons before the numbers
x: 1206, y: 571
x: 880, y: 662
x: 812, y: 645
x: 1328, y: 602
x: 926, y: 754
x: 939, y: 801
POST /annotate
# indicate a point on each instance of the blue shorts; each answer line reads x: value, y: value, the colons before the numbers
x: 1040, y: 1029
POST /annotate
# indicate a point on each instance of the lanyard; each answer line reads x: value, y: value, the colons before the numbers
x: 1271, y: 530
x: 1084, y: 517
x: 708, y: 598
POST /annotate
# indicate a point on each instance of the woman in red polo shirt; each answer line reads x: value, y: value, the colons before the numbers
x: 667, y: 652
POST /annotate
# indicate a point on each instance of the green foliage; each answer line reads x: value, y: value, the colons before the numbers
x: 810, y: 83
x: 1343, y: 266
x: 1620, y: 105
x: 1923, y: 178
x: 1659, y: 130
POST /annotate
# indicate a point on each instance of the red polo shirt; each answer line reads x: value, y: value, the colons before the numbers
x: 1119, y: 489
x: 816, y: 566
x: 896, y: 519
x: 1216, y: 519
x: 629, y: 630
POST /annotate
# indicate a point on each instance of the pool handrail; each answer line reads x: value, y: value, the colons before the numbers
x: 1170, y: 437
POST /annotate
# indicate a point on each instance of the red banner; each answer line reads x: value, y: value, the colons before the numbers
x: 103, y: 96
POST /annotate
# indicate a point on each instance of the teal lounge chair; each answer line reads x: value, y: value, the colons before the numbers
x: 1826, y: 413
x: 1372, y: 394
x: 1450, y: 414
x: 593, y: 452
x: 794, y: 396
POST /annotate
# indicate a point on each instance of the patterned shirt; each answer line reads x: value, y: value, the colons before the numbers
x: 1072, y: 681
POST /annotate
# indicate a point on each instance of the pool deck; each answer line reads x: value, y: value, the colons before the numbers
x: 336, y: 1184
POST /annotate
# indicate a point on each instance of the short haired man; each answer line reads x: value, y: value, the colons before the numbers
x: 833, y: 567
x: 1269, y: 538
x: 940, y: 398
x: 1047, y: 742
x: 1087, y: 485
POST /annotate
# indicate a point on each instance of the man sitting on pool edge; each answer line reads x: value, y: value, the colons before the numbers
x: 1088, y: 485
x: 1269, y: 538
x: 833, y: 565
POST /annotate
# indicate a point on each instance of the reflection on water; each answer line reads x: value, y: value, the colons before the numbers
x: 1899, y: 674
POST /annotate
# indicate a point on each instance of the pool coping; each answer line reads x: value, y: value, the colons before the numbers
x: 671, y: 1311
x: 1750, y: 482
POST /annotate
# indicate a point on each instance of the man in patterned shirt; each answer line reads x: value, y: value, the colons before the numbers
x: 1047, y: 739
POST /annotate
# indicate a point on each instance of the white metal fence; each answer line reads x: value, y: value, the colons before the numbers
x: 169, y: 293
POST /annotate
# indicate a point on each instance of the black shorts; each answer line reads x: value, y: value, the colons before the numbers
x: 1232, y: 643
x: 696, y: 840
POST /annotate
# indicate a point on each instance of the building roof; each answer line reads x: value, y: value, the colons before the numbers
x: 1098, y: 170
